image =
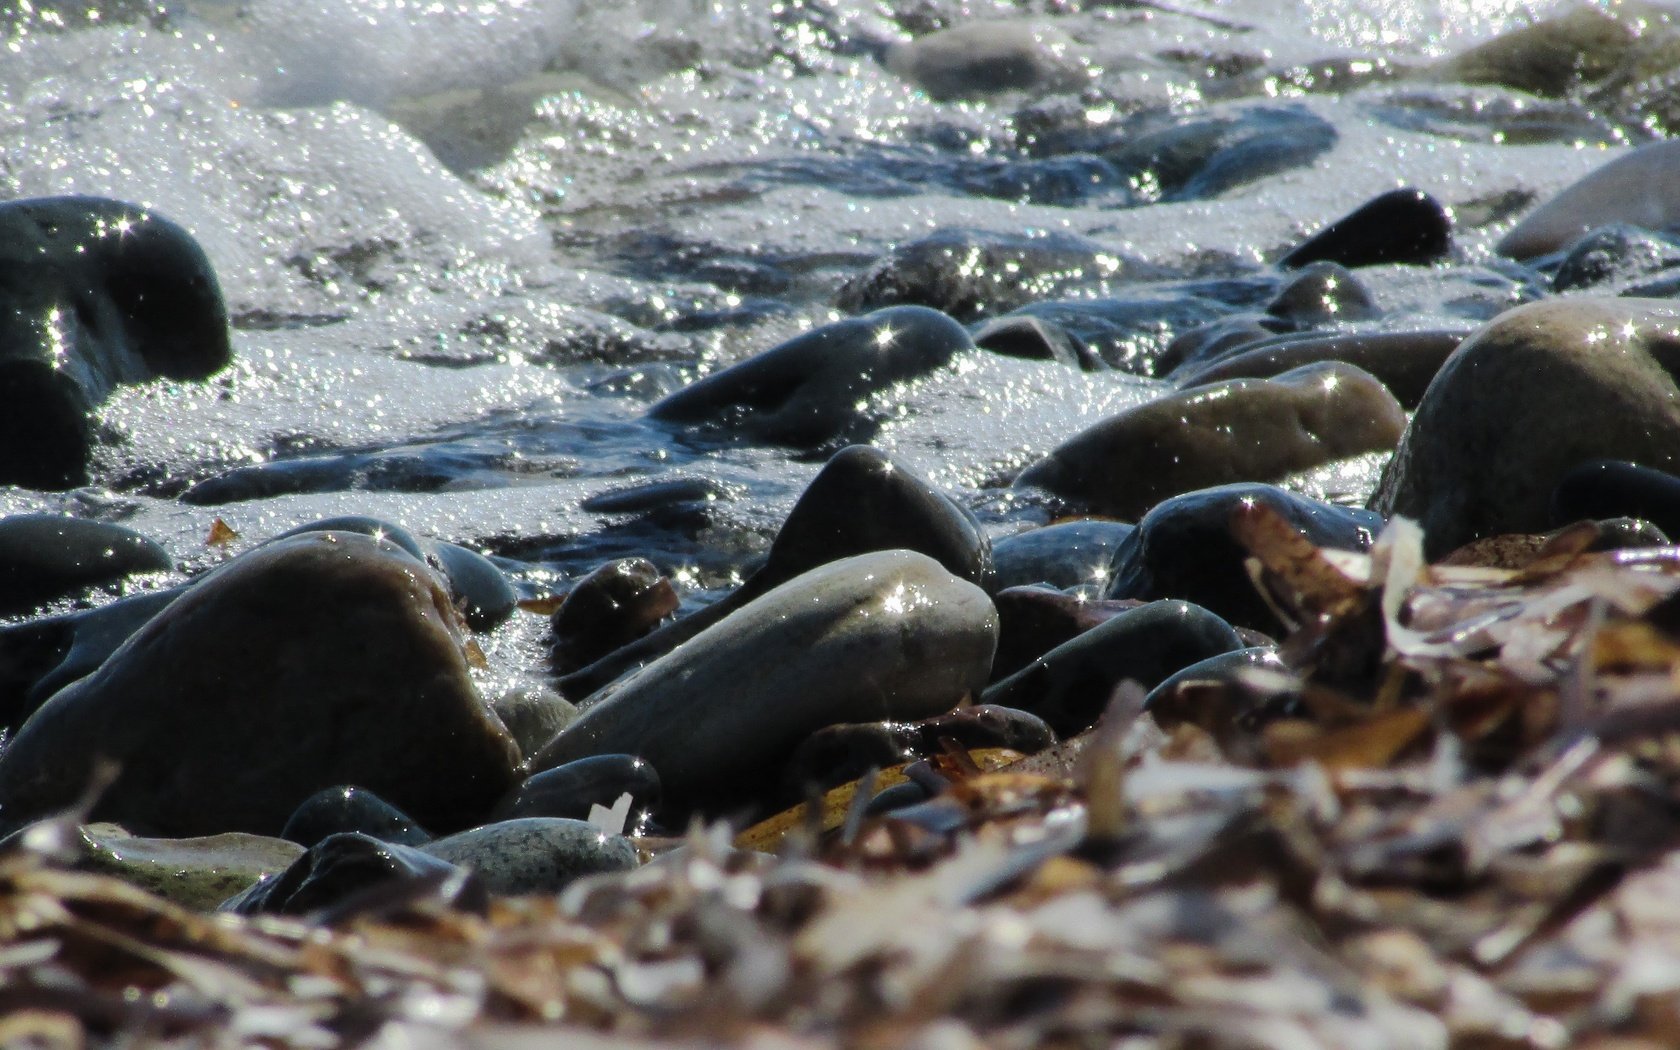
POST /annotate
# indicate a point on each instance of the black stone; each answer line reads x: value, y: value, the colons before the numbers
x: 47, y: 556
x: 1070, y: 686
x: 346, y: 808
x: 608, y: 609
x: 805, y: 392
x: 346, y: 866
x: 1400, y: 226
x: 573, y: 789
x: 1183, y: 548
x: 1607, y: 488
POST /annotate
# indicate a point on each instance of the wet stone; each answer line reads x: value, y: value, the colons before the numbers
x: 1069, y: 687
x: 611, y: 607
x: 1183, y: 548
x: 1035, y: 619
x: 535, y: 854
x: 1066, y: 554
x: 324, y: 659
x: 862, y: 500
x: 1404, y: 362
x: 1234, y: 431
x: 196, y: 873
x: 972, y: 274
x: 890, y: 635
x: 533, y: 714
x: 1634, y: 189
x: 93, y: 293
x: 482, y: 592
x: 1035, y: 339
x: 1324, y: 293
x: 1228, y: 335
x: 1615, y: 254
x: 572, y: 790
x: 1608, y: 488
x: 805, y: 392
x: 47, y: 556
x: 985, y: 57
x: 1232, y: 696
x: 840, y: 754
x: 1129, y: 333
x: 1400, y: 226
x: 1531, y: 396
x: 349, y: 808
x: 348, y: 865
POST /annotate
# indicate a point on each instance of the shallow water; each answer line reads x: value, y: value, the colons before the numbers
x: 466, y: 244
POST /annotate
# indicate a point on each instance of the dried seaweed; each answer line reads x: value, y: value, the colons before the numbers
x: 1463, y: 835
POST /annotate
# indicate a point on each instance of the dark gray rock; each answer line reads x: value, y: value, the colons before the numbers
x: 1066, y: 554
x: 1400, y: 226
x: 341, y: 868
x: 1608, y: 488
x: 1036, y: 339
x: 608, y: 609
x: 572, y: 790
x: 324, y: 659
x: 862, y: 500
x: 1614, y: 254
x: 1237, y: 430
x: 1404, y: 362
x: 805, y: 392
x: 888, y: 635
x: 1324, y: 293
x: 93, y: 293
x: 349, y: 808
x: 1070, y: 686
x: 47, y: 556
x: 1033, y: 620
x: 1184, y: 548
x: 1535, y: 393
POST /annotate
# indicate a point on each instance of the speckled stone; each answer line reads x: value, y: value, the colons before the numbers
x: 535, y: 854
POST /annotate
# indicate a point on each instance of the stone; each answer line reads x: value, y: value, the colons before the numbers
x: 1065, y: 554
x: 1614, y: 254
x: 350, y: 808
x: 196, y: 873
x: 93, y: 293
x: 532, y: 713
x: 1324, y: 293
x: 40, y: 657
x: 1613, y: 489
x: 1033, y: 620
x: 1184, y: 549
x: 805, y: 392
x: 862, y: 500
x: 1070, y: 686
x: 328, y: 658
x: 611, y: 607
x: 985, y: 57
x: 1634, y: 188
x: 1225, y: 337
x: 574, y: 789
x: 888, y: 635
x: 1404, y: 362
x: 1533, y: 394
x: 340, y: 869
x: 840, y: 754
x: 534, y: 854
x: 47, y: 556
x: 1400, y: 226
x: 1036, y: 339
x: 1232, y: 431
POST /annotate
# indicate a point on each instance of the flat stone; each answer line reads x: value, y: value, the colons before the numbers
x: 1536, y: 392
x: 193, y: 872
x: 47, y: 556
x: 889, y: 635
x: 329, y: 658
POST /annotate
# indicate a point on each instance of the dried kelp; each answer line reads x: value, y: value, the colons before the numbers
x: 1460, y: 831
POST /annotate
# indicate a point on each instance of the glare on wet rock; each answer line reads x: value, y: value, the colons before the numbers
x: 1632, y: 188
x: 47, y: 556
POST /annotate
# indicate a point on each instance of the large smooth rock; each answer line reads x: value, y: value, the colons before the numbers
x: 1536, y: 392
x: 195, y: 872
x: 889, y: 635
x: 534, y: 854
x: 862, y: 500
x: 93, y: 293
x: 1405, y: 362
x: 1237, y: 430
x: 47, y: 556
x: 1066, y: 554
x: 1638, y: 188
x: 329, y: 658
x: 806, y: 392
